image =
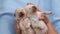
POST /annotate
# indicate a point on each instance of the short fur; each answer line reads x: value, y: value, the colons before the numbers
x: 26, y: 25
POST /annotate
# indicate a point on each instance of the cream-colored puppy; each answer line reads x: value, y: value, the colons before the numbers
x: 34, y: 14
x: 24, y: 22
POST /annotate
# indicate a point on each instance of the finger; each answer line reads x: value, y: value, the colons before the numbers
x: 41, y: 18
x: 44, y: 18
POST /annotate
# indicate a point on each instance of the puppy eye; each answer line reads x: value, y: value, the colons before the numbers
x: 21, y: 14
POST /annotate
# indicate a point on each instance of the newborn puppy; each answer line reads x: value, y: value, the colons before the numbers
x: 19, y: 14
x: 34, y: 13
x: 23, y: 23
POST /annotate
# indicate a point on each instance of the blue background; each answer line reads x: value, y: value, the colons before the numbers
x: 7, y: 8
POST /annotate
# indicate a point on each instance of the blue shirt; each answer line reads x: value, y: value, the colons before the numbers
x: 7, y: 9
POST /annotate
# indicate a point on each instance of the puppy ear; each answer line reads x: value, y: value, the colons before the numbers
x: 30, y: 4
x: 27, y: 3
x: 14, y: 14
x: 34, y: 8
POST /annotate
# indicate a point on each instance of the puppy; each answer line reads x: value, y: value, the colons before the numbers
x: 19, y: 14
x: 34, y: 13
x: 23, y: 24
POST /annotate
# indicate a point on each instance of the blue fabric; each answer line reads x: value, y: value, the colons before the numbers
x: 7, y: 8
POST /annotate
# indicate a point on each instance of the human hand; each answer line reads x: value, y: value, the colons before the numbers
x: 51, y: 30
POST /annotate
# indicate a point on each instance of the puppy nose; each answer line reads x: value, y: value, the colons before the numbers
x: 21, y: 14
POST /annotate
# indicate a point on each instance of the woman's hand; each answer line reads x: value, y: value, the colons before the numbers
x: 16, y: 25
x: 51, y: 30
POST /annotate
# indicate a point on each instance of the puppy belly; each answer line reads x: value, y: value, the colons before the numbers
x: 28, y: 31
x: 25, y: 27
x: 39, y: 27
x: 45, y: 29
x: 38, y: 31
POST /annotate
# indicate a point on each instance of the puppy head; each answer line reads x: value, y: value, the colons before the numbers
x: 20, y: 13
x: 31, y: 7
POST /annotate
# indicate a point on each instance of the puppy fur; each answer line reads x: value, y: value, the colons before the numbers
x: 23, y: 23
x: 30, y: 27
x: 39, y: 26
